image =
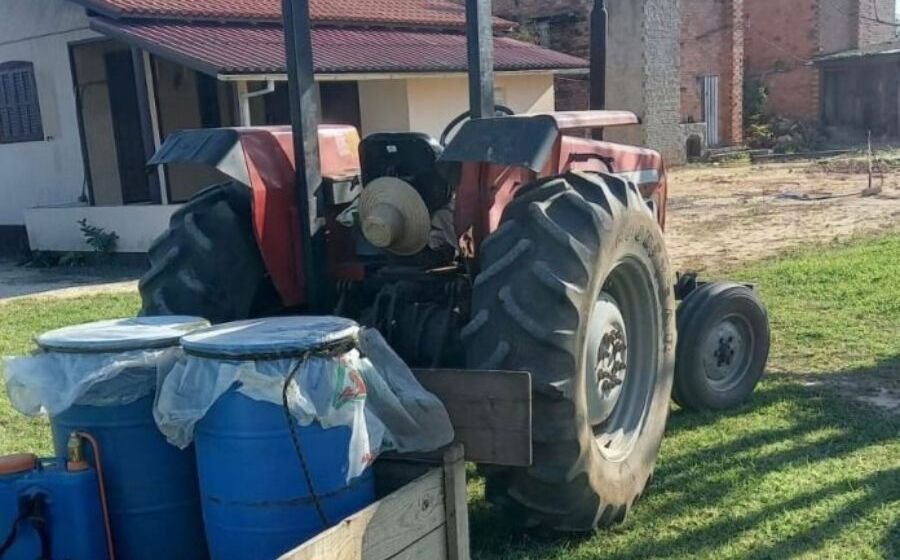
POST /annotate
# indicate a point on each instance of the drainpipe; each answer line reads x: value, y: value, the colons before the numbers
x: 244, y: 97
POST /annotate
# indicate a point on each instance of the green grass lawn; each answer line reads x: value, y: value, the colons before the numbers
x: 20, y: 322
x: 802, y: 471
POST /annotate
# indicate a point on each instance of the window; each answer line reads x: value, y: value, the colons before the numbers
x: 20, y: 112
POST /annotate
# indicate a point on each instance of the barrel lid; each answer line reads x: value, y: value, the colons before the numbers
x: 20, y: 462
x: 269, y: 338
x: 121, y: 335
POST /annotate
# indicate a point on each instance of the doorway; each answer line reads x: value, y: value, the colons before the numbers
x: 126, y: 122
x: 109, y: 118
x: 709, y: 87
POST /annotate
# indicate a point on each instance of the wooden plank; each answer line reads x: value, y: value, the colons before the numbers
x: 432, y: 546
x: 456, y: 504
x: 490, y: 412
x: 383, y: 529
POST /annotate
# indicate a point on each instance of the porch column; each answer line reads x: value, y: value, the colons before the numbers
x: 150, y: 134
x: 143, y: 106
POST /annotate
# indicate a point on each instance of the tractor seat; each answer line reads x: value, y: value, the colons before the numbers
x: 410, y: 156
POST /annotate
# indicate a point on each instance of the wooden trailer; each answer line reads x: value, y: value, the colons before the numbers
x: 422, y: 512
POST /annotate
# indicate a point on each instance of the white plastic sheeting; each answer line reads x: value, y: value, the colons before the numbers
x: 106, y: 363
x: 51, y: 382
x: 373, y: 393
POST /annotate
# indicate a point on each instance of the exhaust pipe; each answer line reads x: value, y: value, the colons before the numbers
x: 599, y: 40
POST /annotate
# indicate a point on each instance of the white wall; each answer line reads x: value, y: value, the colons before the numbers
x: 383, y: 106
x: 57, y: 229
x: 52, y: 171
x: 431, y: 102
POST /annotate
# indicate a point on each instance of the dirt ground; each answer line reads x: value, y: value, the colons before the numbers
x: 720, y: 216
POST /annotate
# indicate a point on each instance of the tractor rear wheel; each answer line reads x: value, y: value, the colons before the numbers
x: 208, y: 263
x: 575, y: 287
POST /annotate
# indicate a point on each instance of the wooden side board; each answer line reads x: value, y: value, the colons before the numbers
x: 490, y: 412
x: 424, y: 519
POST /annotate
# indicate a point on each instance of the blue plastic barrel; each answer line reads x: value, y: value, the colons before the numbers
x: 151, y: 486
x: 256, y: 502
x: 67, y: 506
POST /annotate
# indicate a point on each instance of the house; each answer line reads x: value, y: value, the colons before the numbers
x: 678, y: 65
x: 832, y: 61
x: 90, y: 88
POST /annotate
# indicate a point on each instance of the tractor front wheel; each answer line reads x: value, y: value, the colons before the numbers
x: 723, y: 346
x: 575, y: 287
x: 207, y: 263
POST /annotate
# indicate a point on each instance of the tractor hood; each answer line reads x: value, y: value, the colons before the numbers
x: 524, y: 140
x: 219, y: 148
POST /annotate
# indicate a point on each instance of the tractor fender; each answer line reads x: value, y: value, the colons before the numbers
x: 262, y: 159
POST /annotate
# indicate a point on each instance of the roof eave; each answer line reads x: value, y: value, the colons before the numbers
x: 386, y: 75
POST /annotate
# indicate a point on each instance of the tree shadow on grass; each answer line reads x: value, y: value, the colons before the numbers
x: 812, y: 424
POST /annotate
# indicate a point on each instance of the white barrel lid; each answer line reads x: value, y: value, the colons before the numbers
x: 270, y: 337
x: 121, y: 335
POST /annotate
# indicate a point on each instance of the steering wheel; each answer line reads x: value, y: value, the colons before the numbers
x: 499, y: 111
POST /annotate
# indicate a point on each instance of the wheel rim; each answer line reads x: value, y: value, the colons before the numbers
x: 622, y: 354
x: 728, y: 352
x: 606, y: 372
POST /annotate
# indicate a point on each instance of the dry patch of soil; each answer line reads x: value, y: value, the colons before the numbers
x: 721, y: 216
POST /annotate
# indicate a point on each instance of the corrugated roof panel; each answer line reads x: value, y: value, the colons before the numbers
x: 428, y: 13
x: 235, y: 48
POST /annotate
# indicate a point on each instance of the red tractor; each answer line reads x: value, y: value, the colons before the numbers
x: 515, y: 245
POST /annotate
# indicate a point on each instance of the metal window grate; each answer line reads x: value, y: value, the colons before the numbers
x: 20, y: 112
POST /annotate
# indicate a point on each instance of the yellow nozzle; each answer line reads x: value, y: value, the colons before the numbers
x: 75, y: 460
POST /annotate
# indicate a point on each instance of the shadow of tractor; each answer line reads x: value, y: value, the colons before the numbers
x: 799, y: 466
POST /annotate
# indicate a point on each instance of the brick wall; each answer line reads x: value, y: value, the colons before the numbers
x: 838, y: 25
x: 781, y: 37
x: 712, y: 43
x: 654, y: 63
x: 661, y: 75
x: 872, y: 32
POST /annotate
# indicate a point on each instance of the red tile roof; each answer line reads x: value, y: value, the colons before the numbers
x: 417, y: 13
x: 236, y: 48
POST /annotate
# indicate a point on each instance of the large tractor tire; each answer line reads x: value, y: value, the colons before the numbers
x: 208, y: 263
x: 723, y: 346
x: 575, y: 287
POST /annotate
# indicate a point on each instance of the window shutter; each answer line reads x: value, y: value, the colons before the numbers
x: 20, y: 113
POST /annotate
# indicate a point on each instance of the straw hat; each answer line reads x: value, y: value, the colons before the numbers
x: 394, y: 216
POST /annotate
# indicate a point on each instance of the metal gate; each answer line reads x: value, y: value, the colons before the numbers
x: 710, y: 92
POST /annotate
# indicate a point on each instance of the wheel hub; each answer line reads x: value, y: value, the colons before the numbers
x: 608, y: 335
x: 726, y: 352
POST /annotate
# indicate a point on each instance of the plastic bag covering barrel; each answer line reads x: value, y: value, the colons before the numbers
x: 101, y: 378
x: 256, y: 500
x: 49, y: 512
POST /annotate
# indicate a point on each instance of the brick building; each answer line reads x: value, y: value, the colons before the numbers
x: 678, y: 65
x: 782, y: 38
